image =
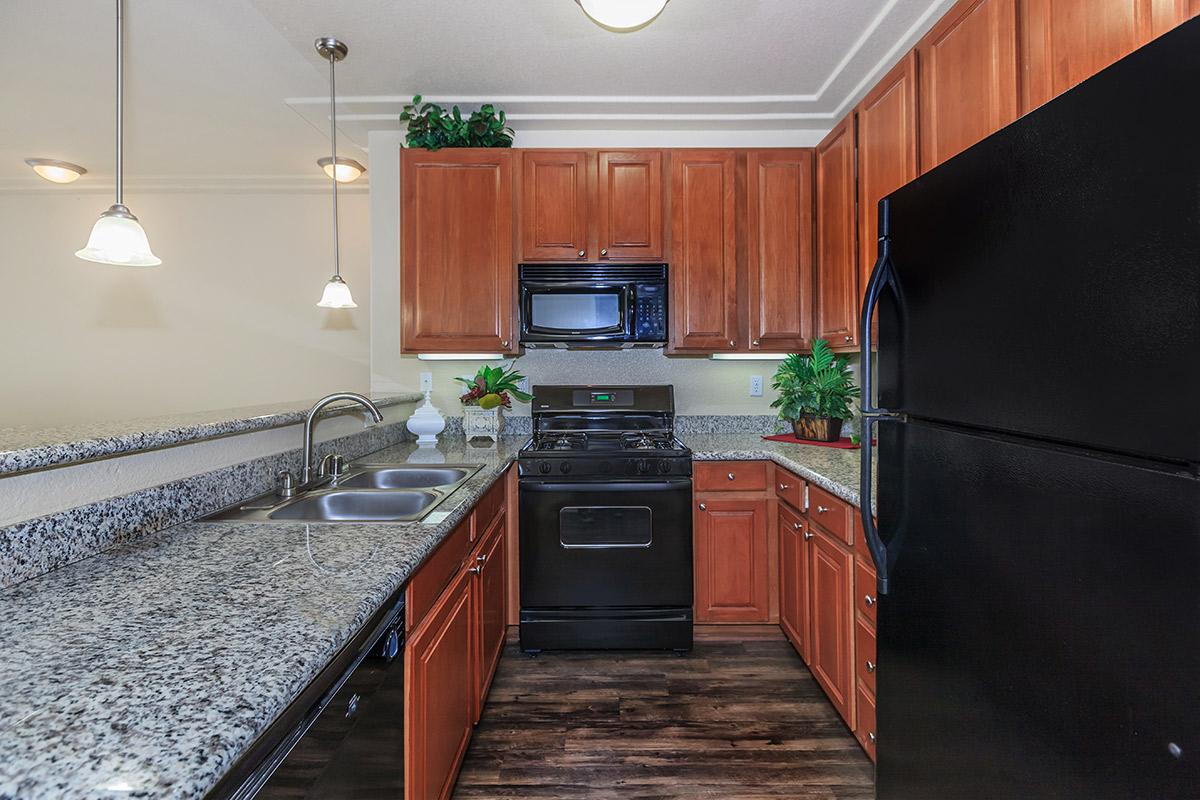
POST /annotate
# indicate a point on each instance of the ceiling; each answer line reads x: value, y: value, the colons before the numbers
x: 231, y: 92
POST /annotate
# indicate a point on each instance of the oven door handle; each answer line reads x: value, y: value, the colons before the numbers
x: 604, y: 487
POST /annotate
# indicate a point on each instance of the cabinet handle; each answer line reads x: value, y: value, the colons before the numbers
x: 730, y: 476
x: 352, y: 705
x: 603, y: 251
x: 475, y: 571
x: 755, y: 343
x: 806, y: 498
x: 504, y: 343
x: 582, y: 253
x: 871, y: 736
x: 703, y: 507
x: 869, y: 600
x: 870, y: 666
x: 822, y: 509
x: 849, y: 339
x: 731, y: 343
x: 481, y: 558
x: 797, y: 525
x: 783, y: 487
x: 807, y: 535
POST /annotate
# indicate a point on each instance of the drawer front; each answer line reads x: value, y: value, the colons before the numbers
x: 865, y: 590
x: 831, y: 513
x: 864, y: 727
x: 864, y: 653
x: 436, y: 573
x: 730, y: 476
x: 488, y: 507
x: 789, y: 488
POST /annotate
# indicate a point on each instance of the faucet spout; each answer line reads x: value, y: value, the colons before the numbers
x: 310, y: 423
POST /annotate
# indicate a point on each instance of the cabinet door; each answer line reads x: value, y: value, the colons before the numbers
x: 837, y: 273
x: 732, y: 584
x: 439, y: 705
x: 456, y: 252
x: 1064, y: 42
x: 554, y: 205
x: 629, y: 202
x: 703, y: 308
x: 793, y: 579
x: 779, y: 187
x: 968, y: 65
x: 831, y: 644
x: 887, y: 154
x: 489, y: 609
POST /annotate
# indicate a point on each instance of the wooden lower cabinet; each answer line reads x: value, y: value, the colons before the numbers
x: 732, y: 561
x: 864, y: 727
x: 489, y: 600
x: 794, y: 615
x: 831, y: 644
x: 440, y: 694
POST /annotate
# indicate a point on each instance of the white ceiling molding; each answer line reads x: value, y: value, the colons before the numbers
x: 193, y: 184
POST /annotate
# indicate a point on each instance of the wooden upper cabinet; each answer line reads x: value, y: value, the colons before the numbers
x: 555, y: 186
x: 456, y: 251
x: 887, y: 153
x: 837, y: 272
x: 779, y: 246
x: 968, y: 77
x: 703, y: 313
x: 1064, y: 42
x: 629, y: 205
x: 732, y: 559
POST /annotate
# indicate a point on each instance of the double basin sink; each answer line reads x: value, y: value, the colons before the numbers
x: 364, y: 493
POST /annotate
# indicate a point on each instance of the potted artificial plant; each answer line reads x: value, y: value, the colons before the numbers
x: 815, y: 393
x: 490, y: 390
x: 432, y: 127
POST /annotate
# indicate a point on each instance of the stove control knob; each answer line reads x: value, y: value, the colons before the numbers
x: 544, y: 467
x: 564, y: 467
x: 664, y: 467
x: 643, y: 466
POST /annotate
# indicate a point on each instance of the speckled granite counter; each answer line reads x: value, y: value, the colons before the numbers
x: 23, y: 449
x: 143, y: 672
x: 828, y: 467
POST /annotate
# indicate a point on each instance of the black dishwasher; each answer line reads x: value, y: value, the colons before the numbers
x: 349, y: 743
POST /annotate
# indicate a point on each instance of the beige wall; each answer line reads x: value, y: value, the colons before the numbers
x: 229, y: 319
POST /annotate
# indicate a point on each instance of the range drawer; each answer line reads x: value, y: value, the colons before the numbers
x: 730, y: 476
x: 864, y: 652
x: 864, y: 722
x: 831, y: 513
x: 865, y: 590
x: 789, y: 488
x: 437, y: 572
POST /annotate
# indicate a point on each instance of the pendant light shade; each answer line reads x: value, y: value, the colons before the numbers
x: 347, y: 170
x: 337, y: 293
x: 117, y: 237
x: 622, y: 15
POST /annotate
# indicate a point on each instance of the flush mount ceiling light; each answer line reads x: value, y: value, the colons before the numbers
x: 337, y: 293
x: 117, y: 237
x: 56, y: 171
x: 622, y: 15
x: 347, y: 170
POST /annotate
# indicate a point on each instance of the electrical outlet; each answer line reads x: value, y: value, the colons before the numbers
x: 426, y: 381
x: 756, y: 385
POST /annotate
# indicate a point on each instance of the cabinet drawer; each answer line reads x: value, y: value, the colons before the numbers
x: 437, y: 572
x: 831, y: 513
x: 865, y: 590
x: 864, y: 653
x: 864, y: 723
x: 490, y: 505
x: 730, y: 476
x: 789, y: 488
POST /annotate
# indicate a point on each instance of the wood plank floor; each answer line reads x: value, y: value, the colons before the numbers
x: 737, y: 719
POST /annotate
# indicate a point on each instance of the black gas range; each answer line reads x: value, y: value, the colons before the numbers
x: 606, y: 523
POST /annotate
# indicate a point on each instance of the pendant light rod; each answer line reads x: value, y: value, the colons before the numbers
x: 337, y: 267
x: 120, y: 94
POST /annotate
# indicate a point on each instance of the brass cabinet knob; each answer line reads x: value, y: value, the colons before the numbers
x: 703, y: 507
x: 849, y: 339
x: 807, y: 535
x: 603, y: 251
x: 582, y: 253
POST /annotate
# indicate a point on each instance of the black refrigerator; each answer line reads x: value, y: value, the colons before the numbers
x: 1038, y: 426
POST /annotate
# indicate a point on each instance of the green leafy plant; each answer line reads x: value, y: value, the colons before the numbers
x: 432, y: 127
x: 493, y: 386
x: 820, y: 384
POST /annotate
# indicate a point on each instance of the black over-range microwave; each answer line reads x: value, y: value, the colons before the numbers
x: 593, y: 305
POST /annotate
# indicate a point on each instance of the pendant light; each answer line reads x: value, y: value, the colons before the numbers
x: 117, y: 237
x: 622, y: 15
x: 337, y: 293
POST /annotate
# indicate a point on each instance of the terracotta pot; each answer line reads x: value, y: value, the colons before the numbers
x: 817, y: 429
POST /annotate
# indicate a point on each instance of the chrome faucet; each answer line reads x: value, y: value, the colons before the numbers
x: 310, y: 422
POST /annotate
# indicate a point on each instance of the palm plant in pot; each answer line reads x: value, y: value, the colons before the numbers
x: 815, y: 393
x: 488, y: 391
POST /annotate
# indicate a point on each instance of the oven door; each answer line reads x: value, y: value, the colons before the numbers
x: 618, y: 544
x: 571, y: 312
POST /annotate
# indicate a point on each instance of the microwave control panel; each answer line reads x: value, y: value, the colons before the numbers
x: 650, y: 313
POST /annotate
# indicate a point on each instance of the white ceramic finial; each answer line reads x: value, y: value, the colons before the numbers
x: 426, y: 423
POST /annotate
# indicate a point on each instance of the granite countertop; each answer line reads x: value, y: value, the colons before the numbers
x: 23, y: 449
x: 831, y: 468
x: 147, y: 670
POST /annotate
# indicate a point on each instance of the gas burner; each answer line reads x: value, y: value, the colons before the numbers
x: 645, y: 441
x: 563, y: 441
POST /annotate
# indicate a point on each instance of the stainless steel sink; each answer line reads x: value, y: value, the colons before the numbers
x: 372, y: 477
x: 364, y: 493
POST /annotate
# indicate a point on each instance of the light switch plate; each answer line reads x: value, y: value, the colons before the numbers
x: 756, y: 385
x: 426, y: 381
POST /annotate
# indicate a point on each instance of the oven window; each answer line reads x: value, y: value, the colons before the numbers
x: 584, y: 311
x: 603, y: 527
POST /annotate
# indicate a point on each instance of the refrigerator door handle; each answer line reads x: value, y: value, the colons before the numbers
x: 882, y: 276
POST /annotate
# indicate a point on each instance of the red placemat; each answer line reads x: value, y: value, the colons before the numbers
x: 841, y: 444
